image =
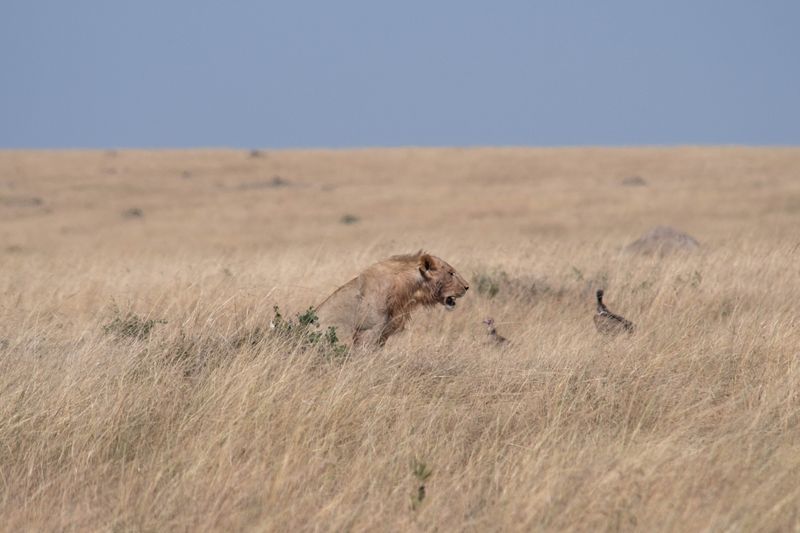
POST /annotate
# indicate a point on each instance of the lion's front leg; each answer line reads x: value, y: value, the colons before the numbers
x: 366, y: 337
x: 394, y: 325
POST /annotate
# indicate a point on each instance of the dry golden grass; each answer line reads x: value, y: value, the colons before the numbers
x: 691, y: 424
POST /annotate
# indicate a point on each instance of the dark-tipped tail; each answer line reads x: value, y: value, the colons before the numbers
x: 600, y: 296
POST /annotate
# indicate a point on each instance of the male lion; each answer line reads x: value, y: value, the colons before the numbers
x: 370, y: 308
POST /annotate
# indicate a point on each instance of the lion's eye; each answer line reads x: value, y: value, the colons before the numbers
x: 452, y: 273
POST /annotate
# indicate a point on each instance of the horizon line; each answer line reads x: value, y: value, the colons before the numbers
x: 392, y: 147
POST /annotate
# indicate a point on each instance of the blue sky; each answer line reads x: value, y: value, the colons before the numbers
x: 249, y: 74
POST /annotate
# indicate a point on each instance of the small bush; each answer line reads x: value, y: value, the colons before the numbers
x: 305, y: 332
x: 422, y: 472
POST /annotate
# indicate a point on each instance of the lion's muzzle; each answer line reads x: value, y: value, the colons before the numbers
x: 449, y: 301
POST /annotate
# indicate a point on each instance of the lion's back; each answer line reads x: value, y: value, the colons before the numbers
x: 349, y: 309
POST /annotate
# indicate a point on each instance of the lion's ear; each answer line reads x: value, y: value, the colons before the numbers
x: 426, y: 266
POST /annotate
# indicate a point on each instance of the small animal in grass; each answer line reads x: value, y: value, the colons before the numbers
x: 607, y: 322
x: 492, y: 331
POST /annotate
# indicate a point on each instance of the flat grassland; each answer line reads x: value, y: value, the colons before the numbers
x: 141, y: 388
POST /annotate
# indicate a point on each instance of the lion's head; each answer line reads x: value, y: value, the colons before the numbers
x: 442, y: 283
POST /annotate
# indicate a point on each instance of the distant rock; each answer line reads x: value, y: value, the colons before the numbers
x: 633, y: 181
x: 661, y: 241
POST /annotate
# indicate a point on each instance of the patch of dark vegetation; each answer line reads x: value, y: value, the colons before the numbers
x: 633, y: 181
x: 304, y: 332
x: 248, y: 338
x: 273, y: 183
x: 195, y: 354
x: 422, y: 473
x: 644, y: 286
x: 578, y: 273
x: 588, y: 283
x: 692, y: 280
x: 727, y: 308
x: 254, y: 153
x: 278, y: 181
x: 490, y: 284
x: 131, y: 326
x: 21, y: 201
x: 14, y: 249
x: 186, y: 174
x: 133, y: 212
x: 348, y: 219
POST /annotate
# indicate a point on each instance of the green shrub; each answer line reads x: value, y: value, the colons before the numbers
x: 305, y: 332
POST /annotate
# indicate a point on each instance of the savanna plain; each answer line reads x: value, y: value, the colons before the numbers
x: 143, y: 389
